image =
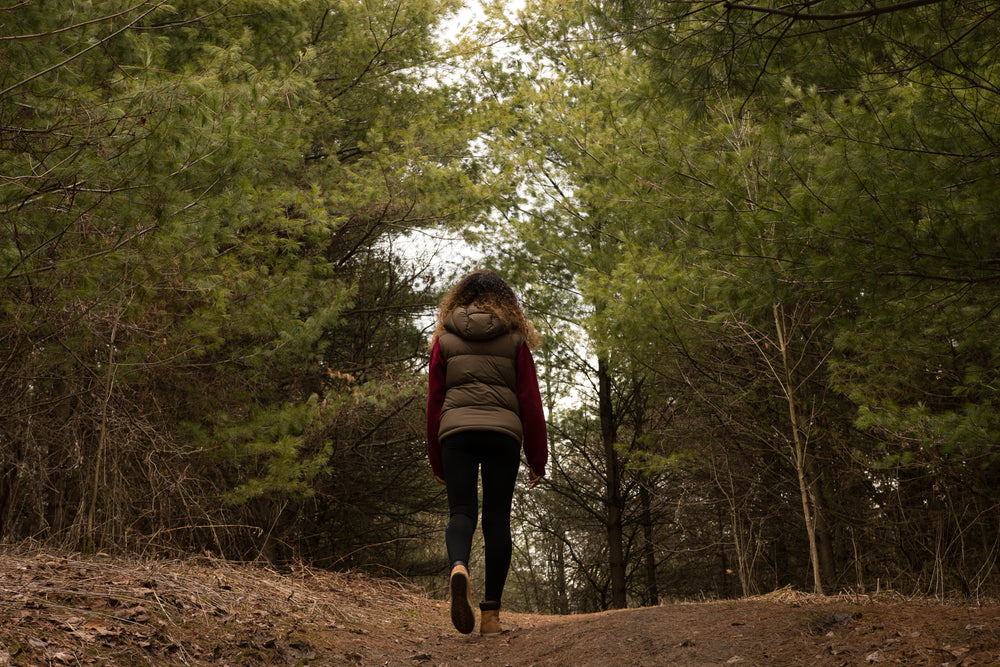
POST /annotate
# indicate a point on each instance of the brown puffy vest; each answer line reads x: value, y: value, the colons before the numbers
x: 480, y: 352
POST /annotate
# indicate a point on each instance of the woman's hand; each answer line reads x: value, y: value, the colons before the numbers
x: 440, y: 479
x: 533, y: 479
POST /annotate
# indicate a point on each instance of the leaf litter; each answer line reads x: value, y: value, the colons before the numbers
x: 67, y: 609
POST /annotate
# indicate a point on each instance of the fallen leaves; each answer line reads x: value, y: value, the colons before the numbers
x: 71, y: 610
x: 78, y: 611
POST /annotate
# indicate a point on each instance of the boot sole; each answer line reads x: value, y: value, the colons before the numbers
x: 462, y: 616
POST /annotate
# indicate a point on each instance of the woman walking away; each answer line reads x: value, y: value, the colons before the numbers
x: 483, y: 405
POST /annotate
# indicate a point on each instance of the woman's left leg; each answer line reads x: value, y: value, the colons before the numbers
x: 461, y: 468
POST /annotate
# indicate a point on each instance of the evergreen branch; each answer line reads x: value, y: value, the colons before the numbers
x: 76, y: 55
x: 980, y: 82
x: 763, y: 69
x: 72, y: 27
x: 962, y: 280
x: 176, y: 24
x: 14, y: 6
x: 108, y: 251
x: 840, y: 16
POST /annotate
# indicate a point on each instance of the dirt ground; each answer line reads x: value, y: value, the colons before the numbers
x: 70, y: 610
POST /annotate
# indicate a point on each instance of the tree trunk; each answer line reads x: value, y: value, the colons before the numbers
x: 613, y: 496
x: 648, y: 547
x: 91, y: 545
x: 824, y: 541
x: 799, y: 448
x: 740, y: 540
x: 560, y: 604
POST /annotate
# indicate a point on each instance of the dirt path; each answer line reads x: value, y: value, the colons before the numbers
x: 751, y: 632
x: 65, y: 610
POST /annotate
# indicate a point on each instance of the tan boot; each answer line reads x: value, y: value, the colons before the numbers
x: 462, y: 616
x: 489, y: 621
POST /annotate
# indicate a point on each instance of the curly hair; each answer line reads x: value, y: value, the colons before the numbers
x: 489, y: 291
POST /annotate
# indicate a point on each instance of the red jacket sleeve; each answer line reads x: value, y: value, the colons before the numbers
x: 536, y: 441
x: 435, y: 401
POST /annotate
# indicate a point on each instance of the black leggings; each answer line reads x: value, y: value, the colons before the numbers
x: 499, y: 455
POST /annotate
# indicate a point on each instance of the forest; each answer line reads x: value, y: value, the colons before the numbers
x: 760, y: 240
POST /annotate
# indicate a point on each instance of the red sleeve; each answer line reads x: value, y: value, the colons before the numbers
x: 536, y: 442
x: 435, y: 400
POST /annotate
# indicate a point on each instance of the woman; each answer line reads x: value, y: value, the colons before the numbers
x: 483, y: 405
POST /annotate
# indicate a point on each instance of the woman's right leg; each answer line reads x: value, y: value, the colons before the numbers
x: 461, y: 472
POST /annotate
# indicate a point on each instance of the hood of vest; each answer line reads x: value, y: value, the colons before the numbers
x: 475, y: 323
